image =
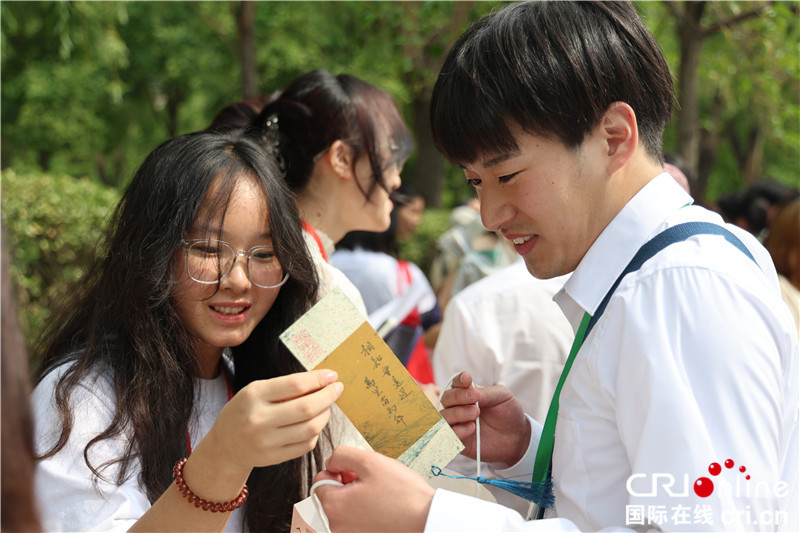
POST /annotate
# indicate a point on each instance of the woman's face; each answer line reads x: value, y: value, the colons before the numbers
x: 409, y: 216
x: 374, y: 213
x: 226, y: 317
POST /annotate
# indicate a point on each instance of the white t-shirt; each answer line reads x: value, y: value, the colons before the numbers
x: 68, y: 500
x: 694, y: 362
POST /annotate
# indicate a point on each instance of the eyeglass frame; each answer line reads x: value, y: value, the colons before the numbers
x: 187, y: 244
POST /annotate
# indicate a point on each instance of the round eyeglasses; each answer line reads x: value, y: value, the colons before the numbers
x: 209, y: 261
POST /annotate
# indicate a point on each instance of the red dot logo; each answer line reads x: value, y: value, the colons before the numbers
x: 703, y: 487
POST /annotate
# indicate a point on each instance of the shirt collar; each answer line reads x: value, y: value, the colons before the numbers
x: 613, y: 249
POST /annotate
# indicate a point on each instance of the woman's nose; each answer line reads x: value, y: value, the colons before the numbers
x: 238, y: 278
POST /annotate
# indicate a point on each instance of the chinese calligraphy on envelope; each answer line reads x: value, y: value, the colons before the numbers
x: 380, y: 397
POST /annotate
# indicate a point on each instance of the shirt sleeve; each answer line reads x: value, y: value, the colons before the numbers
x: 67, y: 498
x: 455, y: 512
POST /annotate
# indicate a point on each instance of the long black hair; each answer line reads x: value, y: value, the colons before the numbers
x: 121, y: 319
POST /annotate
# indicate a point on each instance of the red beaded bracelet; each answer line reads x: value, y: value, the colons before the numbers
x: 177, y: 473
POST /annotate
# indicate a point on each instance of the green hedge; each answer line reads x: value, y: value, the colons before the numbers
x: 52, y: 226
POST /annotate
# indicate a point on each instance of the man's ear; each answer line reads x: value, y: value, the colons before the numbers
x: 340, y: 158
x: 620, y: 133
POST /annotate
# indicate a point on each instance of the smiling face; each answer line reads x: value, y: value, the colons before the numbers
x: 544, y: 198
x: 218, y: 318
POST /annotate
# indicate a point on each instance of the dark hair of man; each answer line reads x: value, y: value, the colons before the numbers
x: 318, y: 108
x: 121, y: 319
x: 554, y: 68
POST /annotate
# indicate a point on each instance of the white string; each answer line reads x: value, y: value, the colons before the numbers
x: 318, y: 504
x: 477, y: 433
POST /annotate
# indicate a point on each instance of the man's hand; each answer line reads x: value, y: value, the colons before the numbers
x: 505, y: 430
x: 379, y: 493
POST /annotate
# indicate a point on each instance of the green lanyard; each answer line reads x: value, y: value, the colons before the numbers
x: 544, y: 453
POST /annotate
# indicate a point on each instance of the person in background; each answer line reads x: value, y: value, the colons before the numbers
x: 466, y: 252
x: 341, y: 145
x: 164, y: 392
x: 505, y: 329
x: 675, y: 166
x: 685, y: 362
x: 409, y: 206
x: 783, y: 244
x: 371, y: 261
x: 754, y: 208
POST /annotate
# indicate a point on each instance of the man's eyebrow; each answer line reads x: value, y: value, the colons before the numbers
x: 500, y: 158
x: 495, y: 160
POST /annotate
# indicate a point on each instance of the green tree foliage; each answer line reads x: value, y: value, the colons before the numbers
x: 89, y: 88
x: 748, y: 88
x: 52, y: 225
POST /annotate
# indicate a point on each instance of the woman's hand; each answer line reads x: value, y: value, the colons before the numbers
x: 274, y: 420
x: 267, y: 422
x: 505, y: 430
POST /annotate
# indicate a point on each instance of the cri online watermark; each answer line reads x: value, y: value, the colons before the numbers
x: 666, y: 484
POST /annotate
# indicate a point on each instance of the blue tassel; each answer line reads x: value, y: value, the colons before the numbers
x: 540, y: 493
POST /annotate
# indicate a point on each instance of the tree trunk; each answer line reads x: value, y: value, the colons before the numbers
x: 753, y: 163
x: 43, y: 158
x: 174, y: 95
x: 428, y: 176
x: 709, y: 146
x: 691, y: 40
x: 245, y: 14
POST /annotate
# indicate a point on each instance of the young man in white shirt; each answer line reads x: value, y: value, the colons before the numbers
x: 679, y: 410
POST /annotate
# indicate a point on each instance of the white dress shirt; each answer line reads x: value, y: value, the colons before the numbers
x: 505, y: 329
x: 694, y: 362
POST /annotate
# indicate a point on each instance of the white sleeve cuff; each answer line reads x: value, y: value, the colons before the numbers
x: 524, y: 465
x: 452, y: 512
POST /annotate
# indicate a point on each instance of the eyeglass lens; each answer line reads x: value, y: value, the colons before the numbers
x: 209, y: 261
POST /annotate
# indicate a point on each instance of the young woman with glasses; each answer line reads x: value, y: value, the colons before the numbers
x: 165, y: 399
